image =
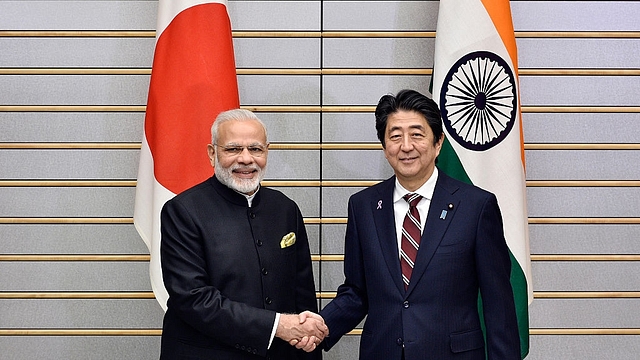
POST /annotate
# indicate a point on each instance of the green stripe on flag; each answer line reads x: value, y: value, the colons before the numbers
x: 521, y: 297
x: 449, y: 162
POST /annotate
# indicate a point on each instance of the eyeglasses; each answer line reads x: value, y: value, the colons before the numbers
x: 235, y: 150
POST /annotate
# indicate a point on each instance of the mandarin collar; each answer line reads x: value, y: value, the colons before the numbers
x: 233, y: 196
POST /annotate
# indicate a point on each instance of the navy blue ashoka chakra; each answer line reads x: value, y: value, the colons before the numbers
x: 478, y: 100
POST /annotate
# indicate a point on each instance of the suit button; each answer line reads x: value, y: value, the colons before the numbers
x: 264, y: 271
x: 259, y: 242
x: 400, y: 342
x: 268, y: 300
x: 405, y: 304
x: 252, y: 215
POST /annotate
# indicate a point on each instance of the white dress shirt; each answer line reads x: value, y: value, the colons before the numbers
x: 401, y: 206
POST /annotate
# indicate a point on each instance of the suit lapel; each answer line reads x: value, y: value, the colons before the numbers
x: 441, y: 211
x: 383, y: 216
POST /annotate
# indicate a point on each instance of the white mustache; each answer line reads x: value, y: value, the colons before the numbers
x: 244, y: 168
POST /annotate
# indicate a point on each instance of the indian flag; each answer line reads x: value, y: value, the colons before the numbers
x: 193, y: 79
x: 475, y: 83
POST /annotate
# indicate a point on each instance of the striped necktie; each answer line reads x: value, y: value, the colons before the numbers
x: 410, y: 238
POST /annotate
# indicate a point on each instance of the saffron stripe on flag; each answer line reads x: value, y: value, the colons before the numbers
x: 193, y: 79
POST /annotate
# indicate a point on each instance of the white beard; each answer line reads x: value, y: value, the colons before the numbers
x: 245, y: 186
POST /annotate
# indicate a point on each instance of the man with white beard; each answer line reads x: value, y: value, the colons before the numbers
x: 235, y: 258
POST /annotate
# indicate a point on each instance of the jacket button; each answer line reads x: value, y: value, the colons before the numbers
x: 252, y: 215
x: 400, y: 342
x: 405, y: 304
x: 259, y: 242
x: 268, y: 300
x: 264, y: 271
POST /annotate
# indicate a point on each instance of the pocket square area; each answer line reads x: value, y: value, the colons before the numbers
x: 288, y: 240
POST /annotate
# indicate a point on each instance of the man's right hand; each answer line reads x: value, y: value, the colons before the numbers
x: 308, y: 343
x: 304, y: 331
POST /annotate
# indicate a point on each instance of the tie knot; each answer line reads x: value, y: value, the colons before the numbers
x: 413, y: 199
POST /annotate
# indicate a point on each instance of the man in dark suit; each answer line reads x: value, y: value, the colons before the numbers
x: 235, y: 258
x: 425, y: 305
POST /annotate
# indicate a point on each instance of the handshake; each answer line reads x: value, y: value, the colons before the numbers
x: 304, y: 331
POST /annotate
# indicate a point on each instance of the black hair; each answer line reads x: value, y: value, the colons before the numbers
x: 408, y: 100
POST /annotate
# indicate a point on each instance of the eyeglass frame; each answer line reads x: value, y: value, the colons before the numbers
x: 255, y: 150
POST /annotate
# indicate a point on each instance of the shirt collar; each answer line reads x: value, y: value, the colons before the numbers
x: 250, y: 197
x: 426, y: 190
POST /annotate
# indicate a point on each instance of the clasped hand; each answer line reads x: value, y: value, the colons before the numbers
x: 304, y: 331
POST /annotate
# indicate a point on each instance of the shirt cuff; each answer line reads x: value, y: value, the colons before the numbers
x: 273, y: 331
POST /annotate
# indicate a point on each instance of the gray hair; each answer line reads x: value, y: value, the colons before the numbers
x: 235, y: 114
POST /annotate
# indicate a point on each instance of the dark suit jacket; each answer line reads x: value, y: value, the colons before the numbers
x: 462, y: 252
x: 227, y: 274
